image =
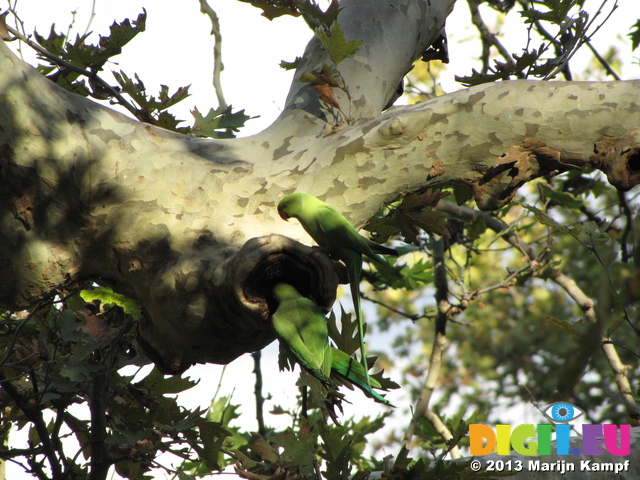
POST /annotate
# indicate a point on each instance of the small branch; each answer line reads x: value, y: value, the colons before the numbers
x: 578, y: 296
x: 18, y: 328
x: 488, y: 38
x: 218, y: 66
x: 100, y: 462
x: 620, y: 376
x: 603, y: 62
x: 442, y: 286
x: 584, y: 38
x: 609, y: 350
x: 34, y: 414
x: 257, y: 370
x: 570, y: 287
x: 495, y: 224
x: 439, y: 346
x: 413, y: 317
x: 628, y: 228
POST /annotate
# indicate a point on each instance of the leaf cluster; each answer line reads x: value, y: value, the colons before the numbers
x: 556, y: 30
x: 72, y: 352
x: 77, y: 66
x: 276, y: 8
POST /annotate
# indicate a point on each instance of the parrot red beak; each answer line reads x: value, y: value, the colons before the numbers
x: 284, y: 216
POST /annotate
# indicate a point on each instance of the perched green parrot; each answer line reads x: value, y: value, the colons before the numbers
x: 302, y: 330
x: 333, y: 232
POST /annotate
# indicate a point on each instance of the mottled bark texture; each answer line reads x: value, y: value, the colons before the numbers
x: 189, y: 226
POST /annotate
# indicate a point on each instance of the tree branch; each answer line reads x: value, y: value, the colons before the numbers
x: 439, y: 345
x: 257, y: 370
x: 217, y: 51
x: 34, y: 414
x: 586, y: 304
x: 100, y: 461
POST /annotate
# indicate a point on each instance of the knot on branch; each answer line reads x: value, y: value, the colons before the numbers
x: 517, y: 166
x: 212, y: 307
x: 619, y: 159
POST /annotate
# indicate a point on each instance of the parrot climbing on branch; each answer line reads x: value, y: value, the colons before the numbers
x: 333, y: 232
x: 302, y: 330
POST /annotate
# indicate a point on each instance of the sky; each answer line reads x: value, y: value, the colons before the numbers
x: 176, y: 50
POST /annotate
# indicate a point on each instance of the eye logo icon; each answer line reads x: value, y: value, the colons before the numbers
x: 562, y: 412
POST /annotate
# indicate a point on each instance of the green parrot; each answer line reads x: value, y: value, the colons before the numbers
x: 333, y: 232
x: 302, y: 330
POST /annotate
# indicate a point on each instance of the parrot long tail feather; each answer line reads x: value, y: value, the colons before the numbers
x: 354, y: 269
x: 350, y: 370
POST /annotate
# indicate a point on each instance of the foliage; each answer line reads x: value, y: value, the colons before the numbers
x: 68, y: 64
x: 67, y: 353
x: 533, y: 294
x: 563, y: 28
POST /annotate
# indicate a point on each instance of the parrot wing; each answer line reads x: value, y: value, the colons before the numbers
x: 302, y: 326
x: 339, y: 233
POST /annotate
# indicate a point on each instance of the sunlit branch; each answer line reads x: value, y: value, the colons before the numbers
x: 218, y: 66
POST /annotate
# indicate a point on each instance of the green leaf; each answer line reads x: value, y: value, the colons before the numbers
x: 326, y: 17
x: 218, y: 123
x: 138, y: 92
x: 418, y: 275
x: 275, y: 8
x: 70, y: 328
x: 336, y: 45
x: 122, y: 33
x: 107, y: 296
x: 634, y: 34
x: 212, y: 435
x: 298, y: 449
x: 381, y: 228
x: 290, y: 65
x: 222, y: 411
x: 477, y: 227
x: 565, y: 199
x: 156, y: 384
x: 545, y: 219
x: 264, y: 449
x: 346, y: 338
x: 90, y: 56
x: 561, y: 325
x: 462, y: 192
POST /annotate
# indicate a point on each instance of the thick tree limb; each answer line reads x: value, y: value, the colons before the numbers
x: 186, y: 225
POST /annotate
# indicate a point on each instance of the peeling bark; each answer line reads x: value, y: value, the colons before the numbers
x: 189, y: 226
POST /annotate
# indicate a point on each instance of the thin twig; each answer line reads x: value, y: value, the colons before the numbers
x: 584, y: 38
x: 413, y: 317
x: 257, y: 370
x: 488, y: 39
x: 18, y: 328
x: 34, y: 414
x: 628, y: 228
x: 608, y: 348
x: 570, y: 287
x: 603, y: 62
x: 218, y: 66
